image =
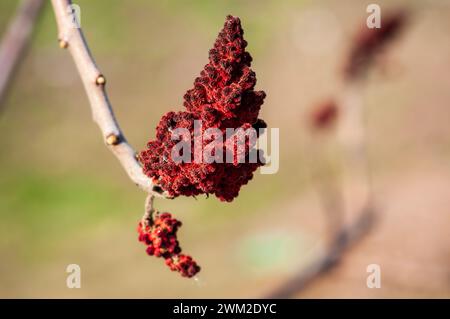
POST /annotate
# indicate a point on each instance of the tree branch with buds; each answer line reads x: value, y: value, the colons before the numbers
x: 71, y: 37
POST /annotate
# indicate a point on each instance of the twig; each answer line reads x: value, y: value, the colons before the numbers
x: 15, y: 41
x: 343, y: 241
x: 148, y: 210
x: 71, y: 37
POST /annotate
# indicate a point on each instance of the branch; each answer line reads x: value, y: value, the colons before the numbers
x: 16, y: 40
x: 72, y: 38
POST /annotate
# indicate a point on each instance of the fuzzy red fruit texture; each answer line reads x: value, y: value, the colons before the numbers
x: 159, y: 234
x: 223, y: 97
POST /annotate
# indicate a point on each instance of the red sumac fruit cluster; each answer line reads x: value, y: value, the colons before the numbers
x: 223, y: 97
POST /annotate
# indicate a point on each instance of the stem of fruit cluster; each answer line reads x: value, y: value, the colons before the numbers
x: 71, y: 37
x: 148, y: 210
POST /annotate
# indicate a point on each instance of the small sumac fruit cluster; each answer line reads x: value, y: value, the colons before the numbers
x: 223, y: 97
x: 159, y: 233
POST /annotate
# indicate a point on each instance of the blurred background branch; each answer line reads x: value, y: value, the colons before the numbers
x: 354, y: 145
x: 15, y: 41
